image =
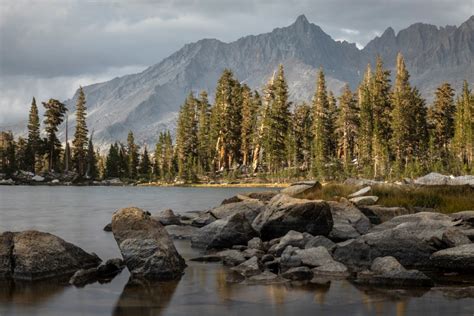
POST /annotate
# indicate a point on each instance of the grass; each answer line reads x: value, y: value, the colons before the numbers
x: 444, y: 199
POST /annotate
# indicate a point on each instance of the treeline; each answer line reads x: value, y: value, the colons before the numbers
x: 381, y: 131
x: 378, y: 131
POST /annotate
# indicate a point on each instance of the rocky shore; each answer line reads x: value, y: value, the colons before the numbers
x: 266, y: 237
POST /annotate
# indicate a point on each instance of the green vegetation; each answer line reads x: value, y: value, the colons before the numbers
x: 445, y: 199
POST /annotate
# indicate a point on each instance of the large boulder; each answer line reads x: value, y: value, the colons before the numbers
x: 250, y: 208
x: 378, y: 214
x: 349, y: 221
x: 411, y: 239
x: 459, y: 258
x: 303, y: 190
x: 284, y: 213
x: 388, y: 271
x: 147, y: 249
x: 224, y: 233
x: 34, y: 255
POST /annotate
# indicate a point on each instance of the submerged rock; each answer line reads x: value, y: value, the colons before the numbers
x: 224, y: 233
x: 146, y: 247
x: 266, y: 277
x: 33, y: 255
x: 298, y: 274
x: 284, y: 213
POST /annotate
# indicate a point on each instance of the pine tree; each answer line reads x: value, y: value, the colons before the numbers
x: 145, y: 165
x: 364, y: 140
x: 54, y: 116
x: 112, y: 163
x: 320, y: 134
x: 249, y: 124
x: 203, y: 137
x: 347, y: 129
x: 419, y: 134
x: 132, y: 156
x: 441, y: 120
x: 278, y: 123
x: 21, y: 154
x: 80, y: 136
x: 401, y: 118
x: 463, y: 141
x: 7, y: 154
x: 382, y: 108
x: 34, y: 138
x: 186, y: 139
x: 332, y: 115
x: 303, y: 136
x: 91, y: 161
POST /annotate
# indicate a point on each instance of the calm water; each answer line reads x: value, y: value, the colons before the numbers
x: 78, y: 215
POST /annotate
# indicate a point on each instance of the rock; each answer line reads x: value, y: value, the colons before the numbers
x: 33, y: 255
x: 341, y: 232
x: 83, y: 277
x: 7, y: 182
x: 263, y: 196
x: 292, y: 238
x: 266, y: 277
x: 349, y: 221
x: 181, y: 231
x: 231, y: 257
x: 248, y: 253
x: 298, y: 274
x: 307, y: 191
x: 364, y: 200
x: 432, y: 178
x: 454, y: 237
x: 224, y: 233
x: 203, y: 219
x: 360, y: 192
x: 331, y: 269
x: 255, y: 243
x: 234, y: 199
x: 239, y: 247
x: 388, y: 271
x: 55, y: 181
x: 110, y: 268
x: 314, y: 257
x: 248, y: 268
x: 459, y: 258
x: 168, y: 217
x: 317, y: 241
x: 284, y: 213
x: 379, y: 214
x: 462, y: 180
x: 273, y: 265
x: 146, y: 247
x: 411, y: 239
x: 38, y: 178
x: 267, y: 258
x: 467, y: 217
x: 108, y: 227
x: 250, y: 208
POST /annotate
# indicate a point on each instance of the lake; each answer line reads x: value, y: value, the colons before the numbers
x: 78, y: 215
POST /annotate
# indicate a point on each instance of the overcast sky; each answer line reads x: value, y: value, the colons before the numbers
x: 50, y: 47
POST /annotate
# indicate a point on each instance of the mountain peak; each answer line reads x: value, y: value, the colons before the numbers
x: 301, y: 20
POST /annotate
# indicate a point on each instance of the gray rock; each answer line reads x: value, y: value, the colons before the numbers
x: 432, y: 178
x: 284, y: 213
x: 263, y: 196
x: 349, y: 221
x: 224, y: 233
x: 181, y: 231
x: 361, y: 192
x: 462, y: 180
x: 267, y: 258
x: 411, y: 239
x: 33, y: 255
x: 364, y: 200
x: 203, y: 219
x: 388, y: 271
x: 250, y: 252
x: 255, y: 243
x: 168, y: 217
x: 110, y: 268
x: 292, y: 238
x: 466, y: 216
x: 83, y: 277
x: 314, y: 257
x: 459, y: 258
x: 231, y: 257
x: 454, y: 237
x: 108, y: 227
x: 146, y: 247
x: 250, y: 208
x: 105, y: 271
x: 298, y: 274
x: 331, y: 269
x: 379, y: 214
x: 248, y: 268
x: 306, y: 190
x: 317, y: 241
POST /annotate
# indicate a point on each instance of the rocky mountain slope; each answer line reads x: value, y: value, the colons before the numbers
x: 148, y: 102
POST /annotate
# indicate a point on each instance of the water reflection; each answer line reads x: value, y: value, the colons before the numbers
x: 141, y: 297
x: 23, y: 292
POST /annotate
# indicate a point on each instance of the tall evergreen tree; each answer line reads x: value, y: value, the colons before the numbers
x: 34, y: 138
x: 441, y: 120
x: 186, y: 139
x: 80, y: 136
x: 54, y: 116
x: 320, y: 134
x: 347, y: 129
x: 7, y: 154
x: 112, y: 162
x: 332, y: 115
x: 364, y: 140
x: 132, y: 156
x: 463, y: 141
x: 203, y: 137
x: 249, y: 124
x: 382, y: 108
x: 92, y: 171
x: 145, y: 165
x: 302, y: 129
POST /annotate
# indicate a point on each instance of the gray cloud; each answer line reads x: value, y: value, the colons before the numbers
x: 44, y: 41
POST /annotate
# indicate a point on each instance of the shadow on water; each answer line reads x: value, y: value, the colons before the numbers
x: 141, y: 297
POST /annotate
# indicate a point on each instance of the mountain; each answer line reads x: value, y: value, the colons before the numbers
x: 148, y: 102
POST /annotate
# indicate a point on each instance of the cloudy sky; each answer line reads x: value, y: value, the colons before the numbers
x: 50, y: 47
